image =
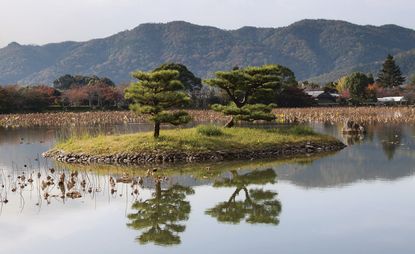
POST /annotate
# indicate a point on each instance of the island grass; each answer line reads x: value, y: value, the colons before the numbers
x: 192, y: 140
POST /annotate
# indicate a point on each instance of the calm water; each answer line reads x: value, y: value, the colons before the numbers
x: 359, y: 200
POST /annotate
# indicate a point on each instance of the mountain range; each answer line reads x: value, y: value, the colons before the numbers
x: 316, y: 50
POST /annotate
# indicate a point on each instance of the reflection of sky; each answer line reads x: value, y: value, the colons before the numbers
x: 23, y: 146
x: 364, y: 218
x: 362, y: 204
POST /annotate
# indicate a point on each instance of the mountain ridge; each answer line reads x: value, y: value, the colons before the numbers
x: 319, y: 50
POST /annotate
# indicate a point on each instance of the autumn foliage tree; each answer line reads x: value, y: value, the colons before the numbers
x: 98, y: 95
x: 357, y: 85
x: 31, y: 98
x: 76, y: 96
x: 155, y: 93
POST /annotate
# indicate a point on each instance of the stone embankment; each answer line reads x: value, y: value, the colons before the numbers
x: 161, y: 157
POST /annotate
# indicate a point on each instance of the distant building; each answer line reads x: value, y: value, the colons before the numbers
x: 392, y: 100
x: 324, y: 98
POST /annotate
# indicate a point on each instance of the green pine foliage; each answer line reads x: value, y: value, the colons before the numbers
x: 242, y: 86
x: 248, y: 112
x: 390, y: 75
x: 209, y: 130
x: 155, y: 93
x: 188, y: 79
x: 67, y: 81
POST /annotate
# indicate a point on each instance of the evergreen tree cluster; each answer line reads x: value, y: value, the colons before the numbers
x: 390, y: 75
x: 251, y: 91
x: 67, y: 81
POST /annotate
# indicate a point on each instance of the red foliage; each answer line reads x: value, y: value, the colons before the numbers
x: 345, y: 94
x: 75, y: 96
x: 96, y: 95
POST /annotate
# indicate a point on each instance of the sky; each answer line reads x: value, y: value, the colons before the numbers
x: 45, y: 21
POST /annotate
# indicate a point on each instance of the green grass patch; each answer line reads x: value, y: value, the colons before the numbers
x: 301, y: 130
x: 199, y: 139
x: 209, y: 130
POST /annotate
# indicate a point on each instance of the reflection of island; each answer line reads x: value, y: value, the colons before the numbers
x: 160, y: 216
x: 353, y: 139
x: 385, y: 153
x: 258, y: 205
x: 369, y: 160
x: 390, y: 138
x: 363, y: 162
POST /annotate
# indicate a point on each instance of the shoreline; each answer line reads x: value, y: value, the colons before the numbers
x: 148, y: 158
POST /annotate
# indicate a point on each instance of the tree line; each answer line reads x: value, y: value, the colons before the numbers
x: 93, y: 92
x: 357, y: 87
x: 231, y: 91
x: 67, y: 91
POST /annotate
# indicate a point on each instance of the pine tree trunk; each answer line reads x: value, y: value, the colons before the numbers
x: 158, y: 190
x: 156, y: 129
x: 230, y: 123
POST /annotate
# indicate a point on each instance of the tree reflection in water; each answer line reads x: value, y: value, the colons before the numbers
x: 160, y: 216
x: 353, y: 139
x: 391, y: 138
x: 259, y: 205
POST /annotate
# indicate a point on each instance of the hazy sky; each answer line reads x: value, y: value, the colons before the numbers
x: 43, y: 21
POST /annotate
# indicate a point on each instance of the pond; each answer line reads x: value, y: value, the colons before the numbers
x: 358, y: 200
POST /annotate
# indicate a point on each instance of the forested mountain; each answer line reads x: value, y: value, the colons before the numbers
x: 320, y: 50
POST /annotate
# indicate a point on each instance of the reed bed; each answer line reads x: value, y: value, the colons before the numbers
x: 334, y: 115
x: 284, y: 115
x: 44, y: 186
x: 72, y: 119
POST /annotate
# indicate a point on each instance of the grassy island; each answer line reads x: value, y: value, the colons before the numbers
x: 250, y: 92
x: 203, y: 143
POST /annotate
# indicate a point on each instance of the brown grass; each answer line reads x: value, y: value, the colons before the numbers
x: 67, y: 119
x: 302, y: 115
x: 368, y: 115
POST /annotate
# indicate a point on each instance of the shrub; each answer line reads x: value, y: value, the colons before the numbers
x: 302, y: 130
x: 209, y: 130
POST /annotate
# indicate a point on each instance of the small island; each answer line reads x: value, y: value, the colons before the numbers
x: 160, y: 96
x: 201, y: 144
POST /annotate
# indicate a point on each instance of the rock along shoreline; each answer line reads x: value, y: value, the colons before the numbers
x: 162, y: 157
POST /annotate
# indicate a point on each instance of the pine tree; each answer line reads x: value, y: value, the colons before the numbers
x: 188, y: 79
x: 390, y: 75
x: 154, y: 93
x: 245, y: 86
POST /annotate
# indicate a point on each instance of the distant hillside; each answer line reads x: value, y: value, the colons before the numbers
x: 320, y: 50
